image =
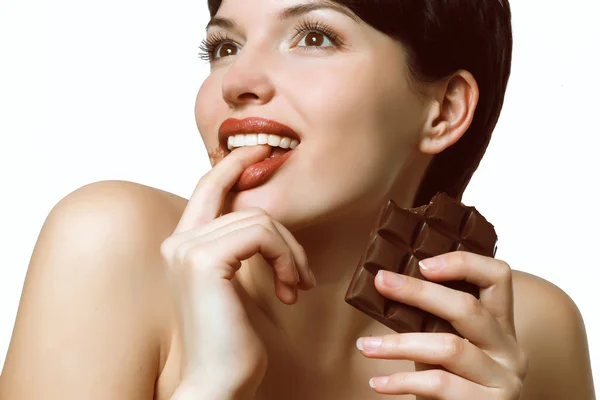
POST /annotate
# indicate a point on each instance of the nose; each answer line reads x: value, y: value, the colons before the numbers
x: 247, y: 81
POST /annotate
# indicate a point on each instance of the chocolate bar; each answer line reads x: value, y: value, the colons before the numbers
x: 403, y: 237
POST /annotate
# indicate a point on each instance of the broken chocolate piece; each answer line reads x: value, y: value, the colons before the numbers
x: 402, y: 238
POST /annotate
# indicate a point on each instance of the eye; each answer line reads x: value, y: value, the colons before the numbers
x: 317, y: 34
x: 217, y: 46
x: 315, y: 39
x: 314, y: 35
x: 225, y: 49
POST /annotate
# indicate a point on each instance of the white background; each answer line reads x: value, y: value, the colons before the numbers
x: 93, y: 91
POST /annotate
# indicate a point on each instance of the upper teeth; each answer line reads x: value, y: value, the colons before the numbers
x: 254, y: 139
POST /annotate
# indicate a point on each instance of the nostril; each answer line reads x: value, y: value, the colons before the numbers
x: 247, y: 96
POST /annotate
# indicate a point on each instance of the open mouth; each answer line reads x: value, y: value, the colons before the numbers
x: 260, y: 172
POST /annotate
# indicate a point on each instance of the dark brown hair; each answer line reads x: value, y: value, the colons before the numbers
x: 440, y: 37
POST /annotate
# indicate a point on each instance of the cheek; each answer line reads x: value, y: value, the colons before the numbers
x: 355, y: 95
x: 361, y: 108
x: 206, y: 110
x: 367, y: 122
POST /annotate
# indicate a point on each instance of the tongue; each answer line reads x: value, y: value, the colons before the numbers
x: 278, y: 151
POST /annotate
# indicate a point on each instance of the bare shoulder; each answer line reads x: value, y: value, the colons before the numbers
x: 551, y: 330
x: 94, y: 320
x: 136, y: 199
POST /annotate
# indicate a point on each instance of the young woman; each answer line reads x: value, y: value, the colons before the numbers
x: 135, y: 293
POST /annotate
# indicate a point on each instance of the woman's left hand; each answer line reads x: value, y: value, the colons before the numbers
x: 488, y: 364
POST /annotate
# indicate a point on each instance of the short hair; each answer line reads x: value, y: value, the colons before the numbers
x: 441, y: 37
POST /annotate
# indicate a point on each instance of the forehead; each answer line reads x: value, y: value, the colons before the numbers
x: 278, y: 7
x: 274, y: 9
x: 272, y: 4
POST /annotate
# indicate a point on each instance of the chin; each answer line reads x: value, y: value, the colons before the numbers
x: 285, y: 203
x: 276, y: 202
x: 297, y: 209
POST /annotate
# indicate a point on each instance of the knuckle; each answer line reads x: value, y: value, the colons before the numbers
x: 260, y: 229
x: 267, y: 222
x: 180, y: 254
x: 259, y: 232
x: 192, y: 257
x: 438, y: 380
x: 460, y: 258
x: 469, y: 305
x: 504, y: 271
x: 388, y: 342
x: 412, y: 285
x: 210, y: 184
x: 453, y: 347
x: 166, y: 248
x: 256, y: 211
x: 186, y: 259
x: 397, y: 380
x: 199, y: 260
x: 238, y: 163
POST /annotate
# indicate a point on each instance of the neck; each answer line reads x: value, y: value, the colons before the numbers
x: 321, y: 328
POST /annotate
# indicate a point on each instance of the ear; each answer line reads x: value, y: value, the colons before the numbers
x: 450, y: 112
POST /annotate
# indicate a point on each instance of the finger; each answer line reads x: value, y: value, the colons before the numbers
x: 449, y: 351
x: 218, y: 223
x: 433, y: 384
x: 224, y: 255
x: 284, y: 291
x: 494, y: 277
x: 239, y: 219
x: 207, y: 200
x: 307, y: 277
x: 460, y: 309
x: 289, y: 276
x: 207, y: 233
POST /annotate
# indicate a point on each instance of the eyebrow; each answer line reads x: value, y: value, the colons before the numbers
x: 287, y: 13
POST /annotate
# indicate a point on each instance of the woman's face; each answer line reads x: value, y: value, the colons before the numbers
x: 344, y: 91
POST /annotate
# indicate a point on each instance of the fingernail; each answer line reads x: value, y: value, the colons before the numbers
x: 379, y: 381
x: 312, y: 278
x: 369, y: 343
x: 432, y: 264
x: 390, y: 279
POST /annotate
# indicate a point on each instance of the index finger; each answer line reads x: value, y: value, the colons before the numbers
x: 208, y: 197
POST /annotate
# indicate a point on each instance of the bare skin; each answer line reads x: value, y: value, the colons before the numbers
x: 119, y: 339
x: 97, y: 319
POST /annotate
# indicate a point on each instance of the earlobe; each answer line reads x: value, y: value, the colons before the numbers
x: 450, y: 112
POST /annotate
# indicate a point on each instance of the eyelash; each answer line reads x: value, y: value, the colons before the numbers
x: 213, y: 41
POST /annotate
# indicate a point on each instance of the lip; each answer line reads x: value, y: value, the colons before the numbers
x: 232, y: 126
x: 257, y: 174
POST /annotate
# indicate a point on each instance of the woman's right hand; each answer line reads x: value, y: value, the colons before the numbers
x: 221, y: 348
